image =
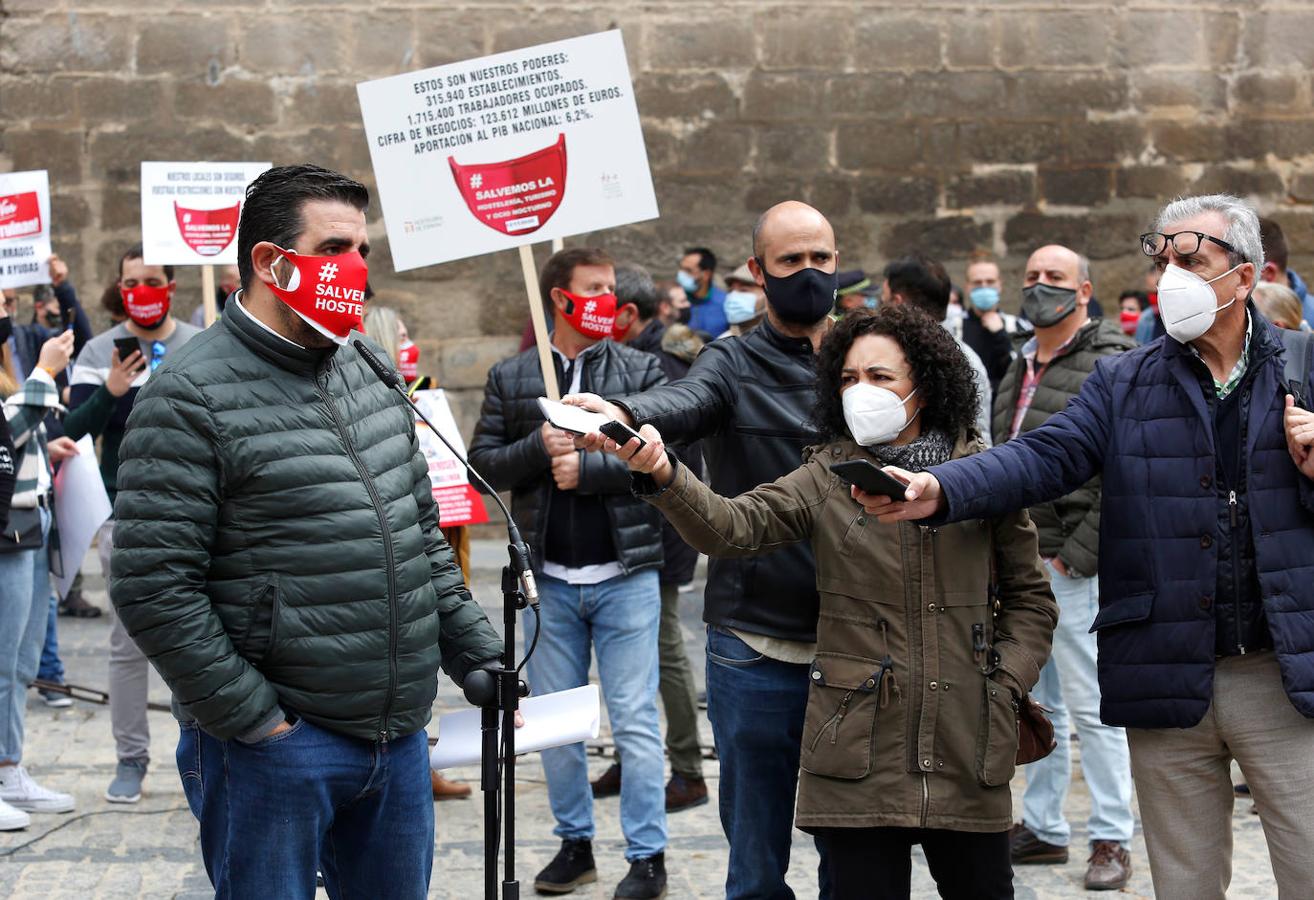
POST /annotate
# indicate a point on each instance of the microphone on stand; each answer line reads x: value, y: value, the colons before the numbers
x: 519, y: 549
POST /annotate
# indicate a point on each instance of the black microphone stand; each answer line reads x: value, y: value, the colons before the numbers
x: 497, y: 690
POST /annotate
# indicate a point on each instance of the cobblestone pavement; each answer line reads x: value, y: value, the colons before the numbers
x: 150, y: 850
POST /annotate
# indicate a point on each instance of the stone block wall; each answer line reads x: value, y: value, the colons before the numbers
x: 942, y: 126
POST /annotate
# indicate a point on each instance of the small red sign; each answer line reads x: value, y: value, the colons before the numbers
x: 517, y: 196
x: 20, y: 215
x: 459, y: 504
x: 208, y: 231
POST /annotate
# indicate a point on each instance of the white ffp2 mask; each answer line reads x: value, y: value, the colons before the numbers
x: 875, y: 415
x: 1187, y: 304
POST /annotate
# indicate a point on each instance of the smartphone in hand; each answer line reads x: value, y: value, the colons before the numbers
x: 126, y: 346
x: 870, y: 478
x: 621, y: 433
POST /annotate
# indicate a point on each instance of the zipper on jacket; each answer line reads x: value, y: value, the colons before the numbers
x: 835, y: 721
x: 926, y: 798
x: 388, y: 558
x: 1236, y: 563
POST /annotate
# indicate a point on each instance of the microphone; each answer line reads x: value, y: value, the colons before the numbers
x: 519, y: 550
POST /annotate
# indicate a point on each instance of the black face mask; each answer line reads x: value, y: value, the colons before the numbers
x: 6, y: 328
x: 802, y: 298
x: 1046, y: 305
x: 51, y: 320
x: 684, y: 315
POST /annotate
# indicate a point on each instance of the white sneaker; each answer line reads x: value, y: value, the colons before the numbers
x: 12, y: 819
x: 18, y: 789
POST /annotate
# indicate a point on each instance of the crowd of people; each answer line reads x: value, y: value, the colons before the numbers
x: 1108, y: 515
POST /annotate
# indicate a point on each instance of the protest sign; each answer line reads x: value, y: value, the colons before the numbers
x: 24, y: 228
x: 505, y: 150
x: 81, y: 507
x: 458, y: 502
x: 497, y: 152
x: 189, y: 215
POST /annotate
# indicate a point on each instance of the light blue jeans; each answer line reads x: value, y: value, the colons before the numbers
x: 620, y: 618
x: 1069, y: 687
x: 24, y: 606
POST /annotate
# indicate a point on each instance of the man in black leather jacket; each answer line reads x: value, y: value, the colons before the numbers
x: 596, y: 552
x: 750, y: 399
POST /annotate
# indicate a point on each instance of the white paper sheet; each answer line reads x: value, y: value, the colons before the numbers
x: 552, y: 720
x: 81, y: 507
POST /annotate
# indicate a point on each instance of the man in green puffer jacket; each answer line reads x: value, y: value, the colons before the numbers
x: 277, y: 557
x: 1049, y: 370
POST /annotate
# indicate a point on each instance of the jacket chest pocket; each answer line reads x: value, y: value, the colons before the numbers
x: 840, y: 725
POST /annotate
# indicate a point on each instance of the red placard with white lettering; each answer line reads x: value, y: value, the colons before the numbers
x: 458, y: 501
x: 24, y: 228
x: 207, y: 231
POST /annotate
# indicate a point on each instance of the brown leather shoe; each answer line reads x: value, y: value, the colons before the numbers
x: 684, y: 793
x: 609, y: 782
x: 1109, y: 867
x: 1029, y: 850
x: 448, y: 790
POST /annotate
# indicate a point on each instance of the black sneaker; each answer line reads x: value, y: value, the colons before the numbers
x: 572, y: 867
x: 646, y: 881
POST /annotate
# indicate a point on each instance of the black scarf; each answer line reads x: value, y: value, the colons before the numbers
x: 919, y: 454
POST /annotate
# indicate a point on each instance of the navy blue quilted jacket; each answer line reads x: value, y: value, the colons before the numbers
x: 1143, y: 420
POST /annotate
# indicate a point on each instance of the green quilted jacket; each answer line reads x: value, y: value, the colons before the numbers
x: 1069, y: 527
x: 276, y: 542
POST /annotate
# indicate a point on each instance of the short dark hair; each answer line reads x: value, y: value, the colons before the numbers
x: 634, y: 285
x: 136, y: 251
x: 272, y: 211
x: 939, y: 368
x: 921, y: 281
x: 1141, y: 298
x: 706, y: 258
x: 560, y: 268
x: 1274, y: 242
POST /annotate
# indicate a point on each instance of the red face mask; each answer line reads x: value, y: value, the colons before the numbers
x: 327, y: 292
x: 146, y: 305
x: 593, y: 317
x: 408, y: 360
x: 1129, y: 321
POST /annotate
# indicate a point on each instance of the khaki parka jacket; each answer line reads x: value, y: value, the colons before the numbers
x: 911, y: 716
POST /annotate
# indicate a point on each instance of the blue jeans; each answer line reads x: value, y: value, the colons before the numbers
x: 620, y: 617
x: 273, y: 812
x: 51, y: 667
x: 756, y: 706
x: 24, y: 599
x: 1068, y: 686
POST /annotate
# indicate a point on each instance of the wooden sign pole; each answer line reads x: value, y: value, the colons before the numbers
x: 207, y: 295
x: 541, y: 336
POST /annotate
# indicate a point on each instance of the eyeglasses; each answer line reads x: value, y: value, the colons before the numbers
x: 1184, y: 243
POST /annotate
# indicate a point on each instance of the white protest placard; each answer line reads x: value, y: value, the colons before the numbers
x: 458, y: 501
x: 24, y: 228
x: 552, y: 720
x: 507, y: 150
x: 81, y: 507
x: 189, y: 211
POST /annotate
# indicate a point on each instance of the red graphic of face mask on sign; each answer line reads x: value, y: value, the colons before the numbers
x: 207, y: 231
x: 517, y: 196
x: 20, y: 215
x: 327, y: 292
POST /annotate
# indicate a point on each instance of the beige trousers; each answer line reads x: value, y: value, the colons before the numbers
x: 1184, y: 785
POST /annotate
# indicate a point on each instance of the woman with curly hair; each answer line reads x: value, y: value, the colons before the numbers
x: 928, y: 636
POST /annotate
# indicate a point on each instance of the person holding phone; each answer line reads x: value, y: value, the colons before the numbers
x: 106, y: 377
x: 927, y: 638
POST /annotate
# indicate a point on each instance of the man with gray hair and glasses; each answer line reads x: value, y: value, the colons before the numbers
x: 1206, y: 621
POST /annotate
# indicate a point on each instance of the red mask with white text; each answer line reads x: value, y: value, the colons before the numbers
x: 145, y: 304
x: 408, y: 361
x: 593, y: 317
x: 327, y: 292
